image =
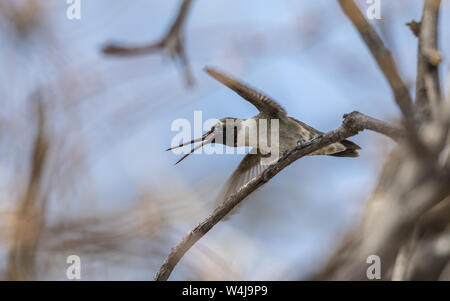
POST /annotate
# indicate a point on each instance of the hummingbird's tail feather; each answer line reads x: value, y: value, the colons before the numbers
x: 351, y: 150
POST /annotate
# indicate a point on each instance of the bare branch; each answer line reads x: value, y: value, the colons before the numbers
x: 400, y: 223
x: 172, y: 42
x: 369, y: 123
x: 382, y: 56
x: 122, y: 50
x: 30, y: 215
x: 388, y: 222
x: 408, y: 186
x: 427, y: 82
x: 352, y: 124
x: 384, y: 59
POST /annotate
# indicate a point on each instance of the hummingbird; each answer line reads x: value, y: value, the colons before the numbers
x: 291, y: 133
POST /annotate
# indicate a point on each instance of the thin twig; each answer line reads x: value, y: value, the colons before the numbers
x: 352, y: 124
x: 415, y: 27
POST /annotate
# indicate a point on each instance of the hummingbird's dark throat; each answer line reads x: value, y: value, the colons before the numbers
x: 225, y: 138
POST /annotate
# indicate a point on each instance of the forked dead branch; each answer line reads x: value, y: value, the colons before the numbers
x: 173, y: 42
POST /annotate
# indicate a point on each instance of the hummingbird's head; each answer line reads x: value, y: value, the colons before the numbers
x: 217, y: 134
x: 225, y: 126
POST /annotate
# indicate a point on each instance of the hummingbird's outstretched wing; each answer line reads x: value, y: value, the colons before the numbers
x: 262, y: 102
x: 250, y: 167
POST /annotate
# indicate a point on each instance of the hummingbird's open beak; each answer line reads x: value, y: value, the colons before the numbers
x: 205, y: 139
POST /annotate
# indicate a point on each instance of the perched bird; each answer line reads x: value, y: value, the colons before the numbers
x: 291, y: 132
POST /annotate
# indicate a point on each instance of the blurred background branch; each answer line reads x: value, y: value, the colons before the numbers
x: 29, y: 218
x: 173, y: 42
x: 409, y: 188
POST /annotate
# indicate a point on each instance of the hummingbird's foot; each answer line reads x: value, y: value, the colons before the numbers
x: 315, y: 138
x: 283, y: 156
